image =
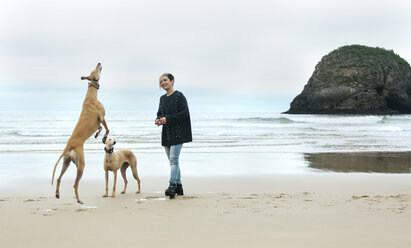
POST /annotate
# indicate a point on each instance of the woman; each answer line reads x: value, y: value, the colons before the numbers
x: 174, y: 116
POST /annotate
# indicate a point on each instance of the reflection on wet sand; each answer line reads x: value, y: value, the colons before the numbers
x: 381, y: 162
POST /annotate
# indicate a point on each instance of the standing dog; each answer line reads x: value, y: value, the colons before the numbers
x: 116, y: 160
x: 91, y: 116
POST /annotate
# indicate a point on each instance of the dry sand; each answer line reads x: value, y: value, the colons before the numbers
x: 314, y: 210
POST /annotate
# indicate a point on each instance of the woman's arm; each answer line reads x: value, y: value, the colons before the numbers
x: 182, y: 111
x: 158, y: 113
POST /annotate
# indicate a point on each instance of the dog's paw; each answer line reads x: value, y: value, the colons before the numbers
x: 122, y: 192
x: 104, y: 139
x: 105, y: 195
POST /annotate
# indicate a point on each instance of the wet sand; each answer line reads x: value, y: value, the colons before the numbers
x: 380, y: 162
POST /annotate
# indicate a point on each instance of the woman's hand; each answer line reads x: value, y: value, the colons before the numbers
x: 161, y: 121
x: 157, y: 122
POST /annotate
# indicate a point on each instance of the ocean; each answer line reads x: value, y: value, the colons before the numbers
x: 223, y: 143
x: 215, y: 132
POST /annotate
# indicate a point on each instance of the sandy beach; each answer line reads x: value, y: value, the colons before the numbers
x: 294, y: 119
x: 284, y: 210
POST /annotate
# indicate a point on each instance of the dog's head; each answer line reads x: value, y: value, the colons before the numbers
x: 110, y: 143
x: 95, y: 74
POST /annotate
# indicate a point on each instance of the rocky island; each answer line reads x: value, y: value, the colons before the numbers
x: 357, y: 79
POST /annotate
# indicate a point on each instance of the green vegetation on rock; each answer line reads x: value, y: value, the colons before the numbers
x: 357, y: 79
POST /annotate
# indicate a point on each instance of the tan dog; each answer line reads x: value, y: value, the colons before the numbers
x: 119, y: 160
x: 91, y: 116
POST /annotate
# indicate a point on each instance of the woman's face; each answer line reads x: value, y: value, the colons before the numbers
x: 165, y: 83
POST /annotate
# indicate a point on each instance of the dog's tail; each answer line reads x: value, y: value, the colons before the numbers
x: 55, y: 166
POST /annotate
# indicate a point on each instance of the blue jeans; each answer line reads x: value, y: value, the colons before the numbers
x: 173, y: 154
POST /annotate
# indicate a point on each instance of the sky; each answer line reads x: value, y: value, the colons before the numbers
x: 226, y: 55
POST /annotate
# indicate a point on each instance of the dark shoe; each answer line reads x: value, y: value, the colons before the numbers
x: 179, y: 189
x: 171, y: 191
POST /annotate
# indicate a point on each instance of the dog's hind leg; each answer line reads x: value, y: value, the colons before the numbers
x: 66, y: 164
x: 98, y: 131
x: 80, y: 168
x: 123, y: 174
x: 78, y: 177
x: 133, y: 166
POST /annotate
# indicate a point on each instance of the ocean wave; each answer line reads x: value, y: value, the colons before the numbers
x: 401, y: 119
x: 32, y: 134
x: 319, y: 119
x: 280, y: 120
x: 336, y: 119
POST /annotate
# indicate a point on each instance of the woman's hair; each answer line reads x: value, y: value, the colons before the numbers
x: 171, y: 77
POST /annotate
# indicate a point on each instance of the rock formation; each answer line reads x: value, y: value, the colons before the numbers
x: 357, y: 80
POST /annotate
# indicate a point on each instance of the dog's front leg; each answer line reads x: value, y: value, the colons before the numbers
x: 114, y: 184
x: 98, y: 132
x: 103, y: 121
x: 106, y: 194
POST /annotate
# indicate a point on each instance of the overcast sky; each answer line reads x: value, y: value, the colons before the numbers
x: 254, y: 54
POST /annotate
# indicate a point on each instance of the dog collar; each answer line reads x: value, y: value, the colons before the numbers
x: 94, y: 84
x: 110, y: 151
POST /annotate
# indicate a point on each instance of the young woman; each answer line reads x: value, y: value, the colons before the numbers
x: 174, y: 116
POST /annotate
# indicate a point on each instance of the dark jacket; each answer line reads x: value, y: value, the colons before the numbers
x: 178, y: 127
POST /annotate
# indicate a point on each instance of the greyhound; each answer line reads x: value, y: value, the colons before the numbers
x: 119, y: 160
x: 91, y: 116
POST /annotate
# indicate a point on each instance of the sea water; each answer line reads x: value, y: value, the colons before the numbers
x: 223, y: 143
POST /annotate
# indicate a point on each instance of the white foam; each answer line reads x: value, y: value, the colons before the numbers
x: 336, y: 119
x: 160, y: 199
x: 89, y: 207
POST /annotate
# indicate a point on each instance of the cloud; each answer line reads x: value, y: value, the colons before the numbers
x: 256, y: 47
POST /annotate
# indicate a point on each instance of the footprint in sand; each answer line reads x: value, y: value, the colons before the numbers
x: 247, y: 198
x: 280, y: 196
x: 399, y: 196
x: 355, y: 197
